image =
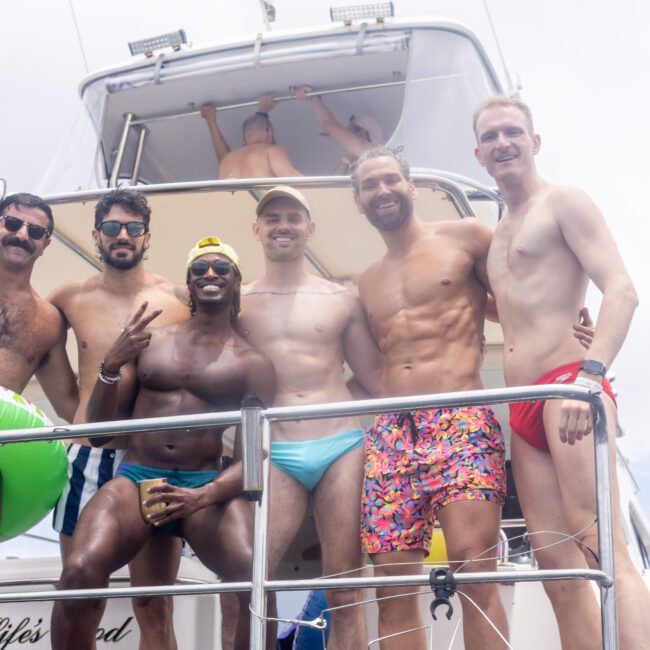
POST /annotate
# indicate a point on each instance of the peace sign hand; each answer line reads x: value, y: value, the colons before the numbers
x: 132, y: 340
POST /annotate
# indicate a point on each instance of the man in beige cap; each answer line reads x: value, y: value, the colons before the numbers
x: 196, y: 366
x: 308, y: 327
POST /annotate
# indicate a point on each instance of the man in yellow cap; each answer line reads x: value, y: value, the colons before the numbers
x: 196, y: 366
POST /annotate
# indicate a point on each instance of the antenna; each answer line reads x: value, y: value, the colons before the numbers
x: 511, y: 89
x: 268, y: 13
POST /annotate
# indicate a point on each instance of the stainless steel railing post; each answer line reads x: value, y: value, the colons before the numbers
x: 260, y: 551
x: 609, y: 619
x: 119, y: 156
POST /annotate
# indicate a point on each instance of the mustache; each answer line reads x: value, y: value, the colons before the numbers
x: 121, y: 244
x: 25, y: 244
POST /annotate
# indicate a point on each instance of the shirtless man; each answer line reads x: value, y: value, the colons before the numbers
x: 426, y: 302
x: 97, y: 309
x: 32, y: 333
x: 552, y: 240
x: 308, y: 326
x: 260, y: 157
x: 197, y: 366
x: 359, y: 135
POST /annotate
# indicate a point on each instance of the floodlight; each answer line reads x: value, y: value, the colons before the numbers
x: 147, y: 45
x: 377, y: 10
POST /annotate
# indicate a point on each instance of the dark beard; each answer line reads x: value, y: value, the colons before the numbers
x: 123, y: 264
x: 396, y: 222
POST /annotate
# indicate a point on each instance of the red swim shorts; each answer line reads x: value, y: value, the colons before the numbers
x: 527, y: 418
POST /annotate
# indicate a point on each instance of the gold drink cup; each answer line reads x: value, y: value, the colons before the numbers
x: 143, y: 486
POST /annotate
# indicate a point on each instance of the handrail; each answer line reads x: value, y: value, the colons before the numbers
x: 260, y: 584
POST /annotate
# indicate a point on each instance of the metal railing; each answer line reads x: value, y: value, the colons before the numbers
x: 257, y: 424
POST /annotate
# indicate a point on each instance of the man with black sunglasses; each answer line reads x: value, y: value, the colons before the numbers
x: 32, y: 334
x: 201, y: 365
x: 97, y: 310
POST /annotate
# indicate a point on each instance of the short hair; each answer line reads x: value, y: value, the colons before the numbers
x: 25, y: 200
x: 385, y: 150
x: 256, y: 123
x: 503, y: 100
x: 130, y: 200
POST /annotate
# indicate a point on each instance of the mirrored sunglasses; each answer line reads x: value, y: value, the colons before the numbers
x: 14, y: 224
x: 220, y: 267
x: 113, y: 228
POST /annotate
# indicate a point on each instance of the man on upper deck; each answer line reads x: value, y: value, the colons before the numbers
x: 97, y: 309
x: 260, y: 157
x: 197, y: 366
x: 426, y: 302
x: 359, y: 135
x: 308, y: 326
x: 32, y: 333
x: 551, y: 241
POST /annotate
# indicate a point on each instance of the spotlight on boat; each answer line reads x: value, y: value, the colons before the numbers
x: 378, y: 10
x: 148, y: 46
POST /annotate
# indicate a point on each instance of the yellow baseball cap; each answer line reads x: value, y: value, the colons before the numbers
x: 213, y: 244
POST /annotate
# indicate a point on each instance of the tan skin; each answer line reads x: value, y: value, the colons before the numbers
x: 550, y: 242
x: 97, y: 309
x: 426, y: 302
x: 260, y: 157
x: 198, y: 366
x: 308, y: 326
x: 349, y: 137
x: 32, y: 333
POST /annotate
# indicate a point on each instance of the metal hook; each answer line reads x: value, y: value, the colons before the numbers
x: 444, y: 587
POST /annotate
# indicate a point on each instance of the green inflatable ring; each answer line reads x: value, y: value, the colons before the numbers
x: 32, y: 474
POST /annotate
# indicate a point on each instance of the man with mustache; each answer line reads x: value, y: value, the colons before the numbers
x: 32, y: 333
x: 97, y: 310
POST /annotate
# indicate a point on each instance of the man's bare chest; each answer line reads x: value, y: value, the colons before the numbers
x: 26, y: 330
x: 285, y: 321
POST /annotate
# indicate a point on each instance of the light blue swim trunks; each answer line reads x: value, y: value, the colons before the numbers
x: 307, y: 460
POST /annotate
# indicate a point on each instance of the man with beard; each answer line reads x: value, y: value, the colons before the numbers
x: 32, y: 333
x: 549, y: 244
x: 97, y: 310
x: 309, y: 326
x: 197, y: 366
x: 426, y: 302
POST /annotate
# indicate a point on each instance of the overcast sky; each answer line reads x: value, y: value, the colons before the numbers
x: 582, y: 65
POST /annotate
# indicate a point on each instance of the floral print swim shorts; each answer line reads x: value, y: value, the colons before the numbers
x: 418, y: 462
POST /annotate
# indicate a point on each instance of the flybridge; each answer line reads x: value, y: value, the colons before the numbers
x: 419, y: 79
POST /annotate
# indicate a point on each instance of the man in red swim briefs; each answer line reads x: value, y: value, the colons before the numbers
x: 551, y: 241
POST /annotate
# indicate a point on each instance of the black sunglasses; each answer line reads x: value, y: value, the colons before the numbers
x: 114, y: 228
x: 14, y: 224
x: 220, y: 267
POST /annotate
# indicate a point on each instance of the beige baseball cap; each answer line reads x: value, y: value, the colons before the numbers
x: 282, y: 191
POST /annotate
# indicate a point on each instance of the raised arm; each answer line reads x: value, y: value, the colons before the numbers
x: 221, y: 147
x: 361, y: 351
x: 57, y: 378
x: 103, y: 403
x: 587, y: 235
x: 352, y: 144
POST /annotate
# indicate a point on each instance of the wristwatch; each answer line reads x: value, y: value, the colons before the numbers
x: 593, y: 367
